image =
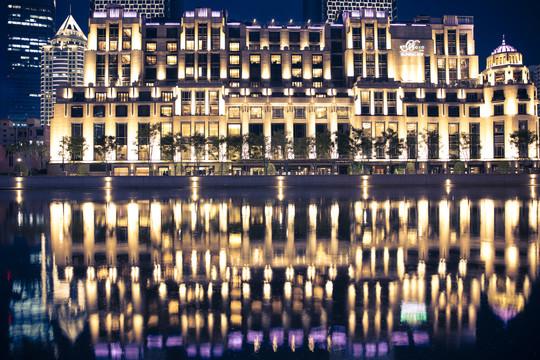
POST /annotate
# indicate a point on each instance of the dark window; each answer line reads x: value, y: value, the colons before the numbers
x: 474, y: 134
x: 121, y: 111
x: 474, y: 111
x: 427, y: 68
x: 234, y: 32
x: 498, y: 140
x: 172, y: 32
x: 439, y: 44
x: 78, y: 96
x: 357, y: 37
x: 254, y: 36
x: 151, y: 32
x: 522, y: 109
x: 294, y: 37
x: 77, y: 111
x: 99, y: 111
x: 171, y: 74
x: 335, y: 34
x: 409, y: 96
x: 452, y: 42
x: 277, y: 128
x: 299, y: 131
x: 145, y: 96
x: 256, y: 129
x: 453, y: 111
x: 522, y: 94
x: 121, y: 141
x: 381, y: 38
x: 314, y: 37
x: 274, y: 36
x: 433, y: 110
x: 498, y: 95
x: 472, y: 97
x: 451, y: 97
x: 383, y: 66
x: 412, y: 110
x: 76, y: 129
x: 498, y: 110
x: 143, y: 110
x: 151, y: 74
x: 431, y: 97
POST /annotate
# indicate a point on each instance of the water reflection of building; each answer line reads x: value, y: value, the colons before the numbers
x: 216, y: 274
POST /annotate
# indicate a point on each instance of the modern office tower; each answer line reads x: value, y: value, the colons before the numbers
x: 535, y: 76
x: 292, y: 83
x: 312, y: 11
x: 30, y: 25
x: 330, y: 8
x: 62, y: 62
x: 170, y: 9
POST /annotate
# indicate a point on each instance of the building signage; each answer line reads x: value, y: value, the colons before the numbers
x: 412, y: 48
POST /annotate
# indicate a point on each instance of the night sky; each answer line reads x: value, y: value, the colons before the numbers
x: 519, y: 20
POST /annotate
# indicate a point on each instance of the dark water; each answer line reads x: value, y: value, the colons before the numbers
x: 366, y: 273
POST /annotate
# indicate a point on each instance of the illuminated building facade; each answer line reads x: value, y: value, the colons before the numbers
x: 170, y: 9
x: 216, y: 78
x: 62, y: 61
x: 30, y: 25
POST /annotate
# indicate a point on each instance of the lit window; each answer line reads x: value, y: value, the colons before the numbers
x: 234, y: 112
x: 320, y: 112
x: 234, y: 59
x: 234, y: 73
x: 101, y: 97
x: 172, y: 59
x: 151, y: 59
x: 151, y: 46
x: 234, y: 46
x: 275, y: 59
x: 255, y: 112
x: 172, y: 46
x: 342, y: 112
x: 234, y: 129
x: 166, y: 110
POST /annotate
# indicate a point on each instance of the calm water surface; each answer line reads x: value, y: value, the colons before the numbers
x: 275, y: 273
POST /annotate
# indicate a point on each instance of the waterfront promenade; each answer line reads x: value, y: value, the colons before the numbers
x: 330, y: 181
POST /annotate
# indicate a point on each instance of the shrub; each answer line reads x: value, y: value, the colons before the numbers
x: 459, y: 168
x: 400, y: 170
x: 223, y: 169
x: 271, y: 169
x: 82, y: 171
x: 504, y: 167
x: 21, y: 169
x: 357, y: 169
x: 410, y: 169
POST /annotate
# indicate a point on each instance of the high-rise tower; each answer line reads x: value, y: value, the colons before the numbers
x: 170, y: 9
x: 62, y: 62
x: 30, y: 25
x: 322, y: 10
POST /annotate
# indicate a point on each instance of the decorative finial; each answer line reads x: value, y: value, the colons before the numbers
x: 504, y: 40
x: 69, y: 9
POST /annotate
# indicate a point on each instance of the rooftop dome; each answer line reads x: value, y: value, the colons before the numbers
x: 503, y: 48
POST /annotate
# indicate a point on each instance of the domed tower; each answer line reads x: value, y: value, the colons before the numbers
x: 505, y: 65
x: 510, y: 104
